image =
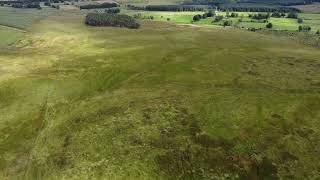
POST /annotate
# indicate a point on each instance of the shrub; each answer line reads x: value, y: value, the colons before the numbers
x: 269, y: 25
x: 115, y: 20
x: 210, y: 13
x: 227, y: 23
x: 197, y: 17
x: 218, y: 18
x: 304, y: 28
x: 276, y: 15
x: 300, y: 20
x: 292, y: 15
x: 318, y: 32
x: 113, y: 11
x: 260, y: 16
x: 234, y: 14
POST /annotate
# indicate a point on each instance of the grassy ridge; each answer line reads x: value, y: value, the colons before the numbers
x: 163, y: 102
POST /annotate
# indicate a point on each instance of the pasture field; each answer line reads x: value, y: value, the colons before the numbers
x: 312, y: 20
x: 166, y: 101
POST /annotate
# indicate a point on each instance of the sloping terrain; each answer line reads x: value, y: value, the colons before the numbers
x: 162, y: 102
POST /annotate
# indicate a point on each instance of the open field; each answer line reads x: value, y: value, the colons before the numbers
x: 278, y: 23
x: 162, y: 102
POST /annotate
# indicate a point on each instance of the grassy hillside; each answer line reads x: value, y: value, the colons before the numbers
x: 162, y: 102
x: 22, y: 18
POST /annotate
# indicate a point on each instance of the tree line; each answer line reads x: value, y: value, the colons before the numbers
x: 260, y: 8
x: 115, y: 20
x: 168, y: 8
x: 26, y: 5
x: 99, y: 6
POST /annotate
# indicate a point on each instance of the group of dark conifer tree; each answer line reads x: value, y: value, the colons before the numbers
x: 111, y: 19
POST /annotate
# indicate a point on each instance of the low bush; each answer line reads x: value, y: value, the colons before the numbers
x: 113, y: 11
x: 218, y: 18
x: 292, y: 15
x: 269, y: 25
x: 304, y: 28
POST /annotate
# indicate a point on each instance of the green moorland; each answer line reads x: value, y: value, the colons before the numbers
x: 163, y: 102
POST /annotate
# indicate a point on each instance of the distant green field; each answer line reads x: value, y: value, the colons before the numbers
x: 162, y: 102
x: 312, y: 20
x: 22, y: 18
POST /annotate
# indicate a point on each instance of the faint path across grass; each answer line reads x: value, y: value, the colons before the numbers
x: 13, y: 28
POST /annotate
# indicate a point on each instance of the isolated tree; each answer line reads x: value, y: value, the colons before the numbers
x: 197, y: 17
x: 204, y: 16
x: 218, y: 18
x: 269, y: 25
x: 300, y: 20
x: 292, y: 15
x: 226, y: 23
x: 268, y: 16
x: 227, y: 13
x: 210, y: 14
x: 276, y: 15
x: 318, y: 32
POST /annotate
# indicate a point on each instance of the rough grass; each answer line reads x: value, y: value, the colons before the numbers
x: 9, y: 36
x: 162, y: 102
